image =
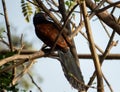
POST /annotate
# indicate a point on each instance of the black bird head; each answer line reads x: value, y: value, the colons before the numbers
x: 41, y: 18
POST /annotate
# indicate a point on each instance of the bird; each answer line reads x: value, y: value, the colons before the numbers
x: 47, y: 31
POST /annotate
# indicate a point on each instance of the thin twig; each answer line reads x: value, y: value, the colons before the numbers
x: 111, y: 2
x: 34, y: 82
x: 54, y: 3
x: 26, y: 69
x: 98, y: 48
x: 107, y: 7
x: 78, y: 29
x: 66, y: 21
x: 109, y: 46
x: 56, y: 21
x: 108, y: 84
x: 8, y: 34
x: 7, y: 25
x: 4, y: 42
x: 105, y: 28
x: 105, y: 17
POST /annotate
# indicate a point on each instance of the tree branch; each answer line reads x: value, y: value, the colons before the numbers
x: 109, y: 46
x: 34, y: 82
x: 79, y: 28
x: 7, y: 25
x: 111, y: 2
x: 92, y: 48
x: 22, y: 57
x: 81, y: 56
x: 107, y: 7
x: 105, y: 17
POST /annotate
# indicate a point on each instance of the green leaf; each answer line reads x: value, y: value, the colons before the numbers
x: 37, y: 9
x: 70, y: 4
x: 67, y: 3
x: 26, y: 10
x: 7, y: 55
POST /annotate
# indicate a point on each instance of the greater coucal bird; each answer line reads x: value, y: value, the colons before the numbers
x: 47, y: 31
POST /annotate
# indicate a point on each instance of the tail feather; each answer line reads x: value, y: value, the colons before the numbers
x: 71, y: 70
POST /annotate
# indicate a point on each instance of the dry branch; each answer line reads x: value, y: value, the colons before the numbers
x: 7, y: 25
x: 111, y: 2
x: 22, y: 57
x: 92, y: 48
x: 81, y: 56
x: 109, y: 6
x: 34, y: 82
x: 108, y: 48
x: 105, y: 17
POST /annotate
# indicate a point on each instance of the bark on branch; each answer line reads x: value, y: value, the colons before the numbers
x: 81, y: 56
x: 92, y: 48
x: 105, y: 17
x: 22, y: 57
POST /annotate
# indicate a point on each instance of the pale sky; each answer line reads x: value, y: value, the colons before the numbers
x: 49, y: 69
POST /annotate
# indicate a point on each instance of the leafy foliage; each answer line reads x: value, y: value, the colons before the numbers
x: 6, y: 55
x: 26, y: 10
x: 5, y: 80
x: 37, y: 9
x: 69, y: 4
x: 7, y: 76
x: 17, y: 42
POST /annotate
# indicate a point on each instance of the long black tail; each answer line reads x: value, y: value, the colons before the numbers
x: 71, y: 70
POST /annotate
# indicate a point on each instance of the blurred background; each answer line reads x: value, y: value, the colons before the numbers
x: 47, y: 72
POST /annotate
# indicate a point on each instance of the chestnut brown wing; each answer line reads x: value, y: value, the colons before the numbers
x: 47, y: 33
